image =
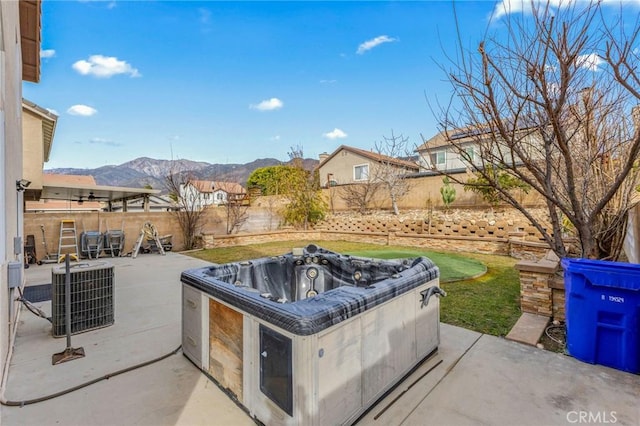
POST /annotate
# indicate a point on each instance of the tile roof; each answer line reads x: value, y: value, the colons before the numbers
x: 206, y: 186
x: 229, y: 187
x: 373, y: 156
x: 202, y: 185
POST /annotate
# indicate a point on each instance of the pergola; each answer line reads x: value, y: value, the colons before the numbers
x: 106, y: 194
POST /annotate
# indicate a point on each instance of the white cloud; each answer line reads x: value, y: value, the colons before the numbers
x: 110, y: 5
x: 83, y: 110
x: 335, y: 134
x: 370, y: 44
x: 275, y: 138
x: 104, y: 67
x: 52, y: 111
x: 47, y: 53
x: 505, y: 7
x: 590, y: 61
x: 268, y: 105
x: 102, y: 141
x: 617, y: 2
x: 205, y: 15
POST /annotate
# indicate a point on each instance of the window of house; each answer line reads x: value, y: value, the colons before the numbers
x: 470, y: 153
x: 361, y: 172
x: 219, y: 196
x: 439, y: 158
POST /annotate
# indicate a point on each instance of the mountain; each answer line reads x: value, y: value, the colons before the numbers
x: 148, y: 171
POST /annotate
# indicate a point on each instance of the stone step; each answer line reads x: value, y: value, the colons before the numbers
x: 528, y: 329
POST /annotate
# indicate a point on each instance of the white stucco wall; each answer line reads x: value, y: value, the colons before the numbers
x: 10, y: 160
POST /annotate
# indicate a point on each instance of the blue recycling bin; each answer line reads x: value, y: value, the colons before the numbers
x: 602, y: 301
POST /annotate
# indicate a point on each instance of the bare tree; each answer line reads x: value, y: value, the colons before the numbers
x: 272, y: 210
x: 236, y: 206
x: 389, y: 171
x: 360, y: 196
x: 190, y: 214
x: 548, y: 99
x: 332, y: 192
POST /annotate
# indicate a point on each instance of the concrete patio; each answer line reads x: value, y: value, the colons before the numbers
x: 473, y: 379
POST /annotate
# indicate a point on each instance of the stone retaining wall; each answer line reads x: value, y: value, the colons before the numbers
x: 527, y: 250
x: 459, y: 244
x: 468, y: 223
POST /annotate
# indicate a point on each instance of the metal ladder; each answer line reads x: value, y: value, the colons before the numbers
x: 67, y: 236
x: 147, y: 232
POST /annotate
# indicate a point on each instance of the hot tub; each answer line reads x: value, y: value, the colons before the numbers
x: 311, y: 337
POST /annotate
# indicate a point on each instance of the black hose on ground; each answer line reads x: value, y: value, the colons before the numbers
x: 3, y: 401
x: 31, y: 307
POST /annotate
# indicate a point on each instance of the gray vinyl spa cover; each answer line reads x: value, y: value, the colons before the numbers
x: 269, y: 287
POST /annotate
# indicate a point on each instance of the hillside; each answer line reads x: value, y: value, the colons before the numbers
x: 148, y: 171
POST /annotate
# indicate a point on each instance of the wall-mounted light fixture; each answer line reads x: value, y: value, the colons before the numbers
x: 22, y: 184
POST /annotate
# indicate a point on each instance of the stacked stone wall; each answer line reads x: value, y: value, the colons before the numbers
x: 535, y: 293
x: 558, y: 297
x: 477, y: 224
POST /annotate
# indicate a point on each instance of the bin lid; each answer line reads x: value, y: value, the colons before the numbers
x: 604, y: 273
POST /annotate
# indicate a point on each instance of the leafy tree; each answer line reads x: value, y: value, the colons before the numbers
x: 488, y: 188
x: 305, y: 206
x: 275, y: 180
x: 547, y: 97
x: 448, y: 192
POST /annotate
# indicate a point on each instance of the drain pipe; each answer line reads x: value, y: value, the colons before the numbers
x: 5, y: 370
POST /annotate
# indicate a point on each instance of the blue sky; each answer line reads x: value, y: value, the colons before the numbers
x: 230, y: 82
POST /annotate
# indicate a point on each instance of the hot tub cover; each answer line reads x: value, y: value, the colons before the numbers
x: 259, y: 286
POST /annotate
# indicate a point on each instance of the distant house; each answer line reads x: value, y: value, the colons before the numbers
x: 203, y: 193
x: 443, y: 151
x: 439, y: 154
x: 348, y: 165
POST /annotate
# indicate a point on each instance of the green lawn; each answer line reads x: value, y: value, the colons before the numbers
x: 453, y: 266
x: 488, y: 303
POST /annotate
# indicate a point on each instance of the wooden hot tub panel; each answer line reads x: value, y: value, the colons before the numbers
x: 225, y: 346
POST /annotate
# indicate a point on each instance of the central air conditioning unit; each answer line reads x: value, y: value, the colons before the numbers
x: 92, y: 298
